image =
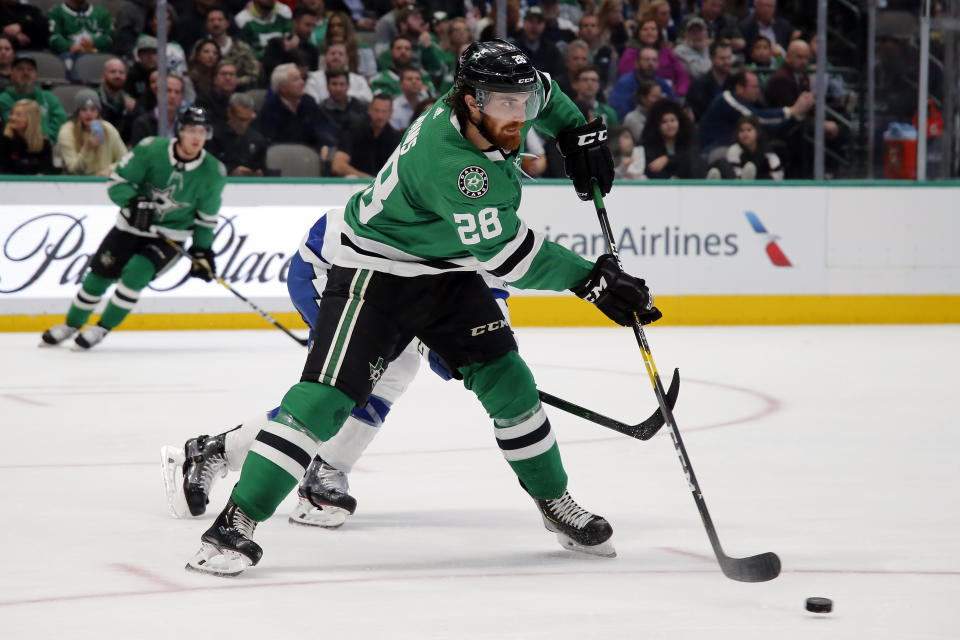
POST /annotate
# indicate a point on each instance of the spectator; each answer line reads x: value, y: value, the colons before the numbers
x: 130, y: 23
x: 628, y: 159
x: 426, y: 53
x: 405, y: 104
x: 6, y: 61
x: 575, y: 58
x: 138, y: 78
x: 457, y: 40
x: 363, y: 150
x: 192, y: 22
x: 621, y: 98
x: 762, y: 60
x: 148, y: 124
x: 335, y: 59
x: 386, y: 27
x: 708, y: 86
x: 319, y: 7
x: 748, y: 158
x: 486, y: 29
x: 543, y: 54
x: 669, y: 66
x: 694, y: 51
x: 587, y: 87
x: 721, y: 26
x: 23, y: 86
x: 261, y: 21
x: 668, y: 144
x: 88, y: 145
x: 236, y: 51
x: 24, y: 149
x: 339, y: 108
x: 659, y: 12
x: 176, y: 57
x: 117, y: 106
x: 360, y: 55
x: 388, y: 81
x: 602, y: 55
x: 648, y: 94
x: 557, y: 28
x: 24, y: 25
x: 612, y: 28
x: 291, y: 116
x: 720, y: 119
x: 76, y: 28
x: 202, y: 65
x: 240, y: 147
x: 217, y: 100
x: 293, y: 46
x: 766, y: 23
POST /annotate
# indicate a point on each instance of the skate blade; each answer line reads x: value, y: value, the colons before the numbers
x: 216, y: 562
x: 310, y: 516
x: 171, y: 472
x: 604, y: 549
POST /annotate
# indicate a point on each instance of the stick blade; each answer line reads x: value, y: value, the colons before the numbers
x: 760, y: 568
x: 649, y: 427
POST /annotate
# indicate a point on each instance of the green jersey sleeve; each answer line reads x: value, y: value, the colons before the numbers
x: 558, y: 112
x: 208, y: 206
x: 129, y: 174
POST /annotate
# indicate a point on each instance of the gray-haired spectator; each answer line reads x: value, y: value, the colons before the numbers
x: 291, y: 116
x: 335, y: 59
x: 240, y: 147
x: 117, y: 106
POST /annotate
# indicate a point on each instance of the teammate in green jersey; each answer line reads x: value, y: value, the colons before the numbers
x: 404, y: 254
x: 166, y: 188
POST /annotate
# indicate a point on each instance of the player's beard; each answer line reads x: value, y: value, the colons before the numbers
x: 496, y: 129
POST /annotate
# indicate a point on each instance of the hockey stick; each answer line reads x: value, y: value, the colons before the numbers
x: 266, y: 316
x: 759, y: 568
x: 641, y: 431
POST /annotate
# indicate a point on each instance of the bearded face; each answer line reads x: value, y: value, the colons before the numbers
x: 506, y: 134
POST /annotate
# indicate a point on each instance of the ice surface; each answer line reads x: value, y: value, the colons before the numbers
x: 835, y: 447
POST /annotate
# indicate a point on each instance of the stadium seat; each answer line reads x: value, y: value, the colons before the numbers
x: 259, y: 96
x: 898, y: 24
x: 65, y: 94
x: 50, y: 67
x: 89, y: 67
x: 294, y: 160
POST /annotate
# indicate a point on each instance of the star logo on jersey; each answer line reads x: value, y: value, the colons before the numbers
x: 473, y: 182
x: 165, y: 201
x: 376, y: 370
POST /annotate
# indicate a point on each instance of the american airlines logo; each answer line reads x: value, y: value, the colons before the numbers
x: 774, y: 252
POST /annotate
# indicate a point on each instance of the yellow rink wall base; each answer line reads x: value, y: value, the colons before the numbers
x: 571, y: 312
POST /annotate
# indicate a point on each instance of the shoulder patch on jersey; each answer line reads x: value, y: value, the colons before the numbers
x: 473, y: 182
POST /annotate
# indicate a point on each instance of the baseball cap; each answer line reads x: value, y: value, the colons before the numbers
x: 533, y: 12
x: 23, y: 56
x: 694, y: 21
x: 145, y: 42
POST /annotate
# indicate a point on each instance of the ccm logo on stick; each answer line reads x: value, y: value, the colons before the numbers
x: 589, y: 138
x: 487, y: 328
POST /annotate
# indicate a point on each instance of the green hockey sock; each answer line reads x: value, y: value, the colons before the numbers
x: 137, y: 274
x: 87, y: 298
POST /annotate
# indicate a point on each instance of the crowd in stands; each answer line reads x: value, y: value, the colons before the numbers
x: 688, y: 89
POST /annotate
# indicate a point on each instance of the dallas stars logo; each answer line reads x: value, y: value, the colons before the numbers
x: 165, y: 201
x: 376, y: 370
x: 473, y: 182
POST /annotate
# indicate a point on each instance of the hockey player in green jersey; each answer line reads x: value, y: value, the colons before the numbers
x: 404, y: 255
x: 166, y: 188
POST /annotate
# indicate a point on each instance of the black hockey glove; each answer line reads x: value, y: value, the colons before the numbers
x: 141, y: 213
x: 619, y: 295
x: 586, y: 157
x: 202, y: 266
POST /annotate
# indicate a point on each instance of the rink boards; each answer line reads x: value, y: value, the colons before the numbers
x: 712, y: 253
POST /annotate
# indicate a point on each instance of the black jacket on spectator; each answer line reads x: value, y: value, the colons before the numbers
x: 32, y: 22
x: 215, y: 104
x: 783, y: 88
x: 701, y: 93
x: 116, y: 114
x: 15, y: 159
x: 305, y: 54
x: 307, y: 126
x: 344, y: 119
x: 682, y: 164
x: 138, y: 81
x: 247, y: 149
x: 782, y: 30
x: 368, y: 153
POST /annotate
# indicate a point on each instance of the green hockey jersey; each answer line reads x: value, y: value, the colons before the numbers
x: 68, y: 26
x: 187, y: 195
x: 441, y: 204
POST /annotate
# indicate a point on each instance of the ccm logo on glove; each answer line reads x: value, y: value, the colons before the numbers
x: 589, y: 138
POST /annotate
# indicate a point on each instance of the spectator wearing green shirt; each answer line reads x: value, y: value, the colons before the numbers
x: 76, y: 28
x: 426, y: 53
x: 23, y: 86
x: 587, y: 86
x: 401, y: 57
x: 261, y: 21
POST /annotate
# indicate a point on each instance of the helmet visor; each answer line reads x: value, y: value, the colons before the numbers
x: 515, y: 106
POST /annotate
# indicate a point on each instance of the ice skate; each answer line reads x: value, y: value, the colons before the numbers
x: 202, y: 459
x: 227, y: 547
x: 325, y: 500
x: 91, y: 336
x: 56, y: 335
x: 577, y: 529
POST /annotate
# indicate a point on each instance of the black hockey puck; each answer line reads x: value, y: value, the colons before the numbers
x: 820, y: 605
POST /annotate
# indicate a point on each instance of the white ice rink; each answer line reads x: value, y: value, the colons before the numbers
x: 835, y: 447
